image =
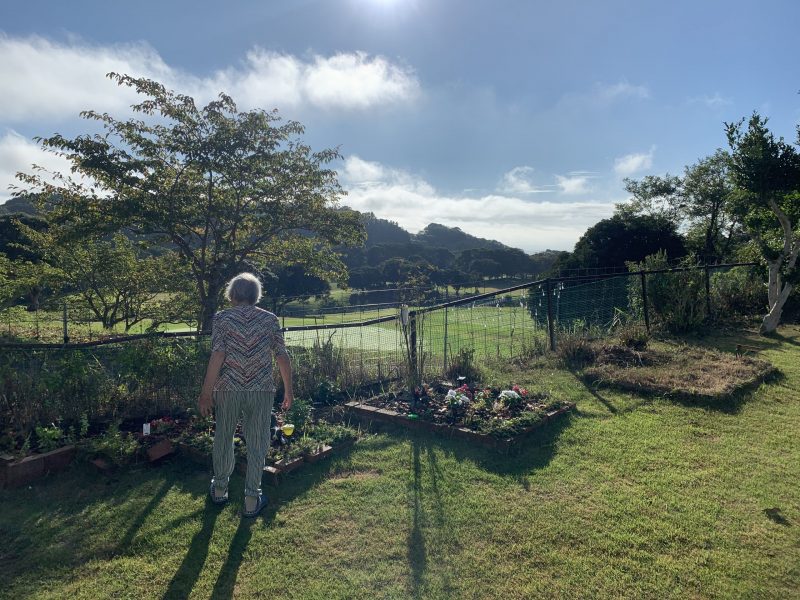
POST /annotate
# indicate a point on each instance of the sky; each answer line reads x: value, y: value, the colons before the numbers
x: 515, y: 120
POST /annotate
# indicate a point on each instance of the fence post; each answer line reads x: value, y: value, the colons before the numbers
x: 66, y: 332
x: 412, y: 337
x: 447, y: 299
x: 708, y: 293
x: 644, y: 301
x: 551, y: 332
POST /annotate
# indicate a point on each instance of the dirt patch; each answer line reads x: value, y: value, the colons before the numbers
x: 686, y: 371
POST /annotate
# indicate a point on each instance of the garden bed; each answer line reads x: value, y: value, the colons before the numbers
x: 16, y: 472
x: 684, y: 372
x: 498, y: 419
x: 119, y: 444
x: 274, y: 469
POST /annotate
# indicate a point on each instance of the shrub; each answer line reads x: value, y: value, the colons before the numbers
x: 462, y: 364
x: 49, y: 438
x: 676, y: 301
x: 118, y: 447
x: 739, y: 291
x: 633, y: 336
x: 575, y: 351
x: 131, y: 380
x: 299, y: 414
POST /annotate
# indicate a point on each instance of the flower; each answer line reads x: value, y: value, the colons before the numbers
x: 458, y: 397
x: 510, y: 398
x: 521, y: 391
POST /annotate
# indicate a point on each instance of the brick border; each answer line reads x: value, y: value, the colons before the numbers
x: 16, y: 473
x: 368, y: 415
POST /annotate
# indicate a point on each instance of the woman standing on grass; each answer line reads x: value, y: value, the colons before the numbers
x: 238, y: 382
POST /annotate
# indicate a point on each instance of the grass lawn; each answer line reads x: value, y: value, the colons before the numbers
x: 632, y: 497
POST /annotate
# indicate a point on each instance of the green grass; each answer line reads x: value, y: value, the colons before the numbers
x: 632, y: 497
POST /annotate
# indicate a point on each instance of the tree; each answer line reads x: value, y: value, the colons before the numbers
x: 292, y: 283
x: 767, y: 174
x: 21, y: 279
x: 228, y: 190
x: 698, y: 203
x: 366, y: 278
x: 30, y: 275
x: 612, y: 242
x: 109, y: 277
x: 484, y: 267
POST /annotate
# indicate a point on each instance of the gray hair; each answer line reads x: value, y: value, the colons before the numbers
x: 245, y: 288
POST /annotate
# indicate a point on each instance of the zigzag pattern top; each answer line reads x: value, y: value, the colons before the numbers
x: 249, y: 336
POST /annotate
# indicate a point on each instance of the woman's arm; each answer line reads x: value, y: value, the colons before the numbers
x: 286, y: 374
x: 206, y: 399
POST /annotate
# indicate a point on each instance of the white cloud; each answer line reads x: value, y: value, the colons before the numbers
x: 45, y: 79
x: 573, y: 184
x: 412, y: 202
x: 19, y: 154
x: 603, y: 94
x: 633, y: 163
x: 713, y: 102
x: 609, y: 92
x: 519, y: 180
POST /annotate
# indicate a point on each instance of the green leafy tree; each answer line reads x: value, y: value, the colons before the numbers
x: 613, y: 242
x: 698, y: 203
x: 228, y: 190
x: 110, y: 278
x: 292, y: 283
x: 767, y: 174
x: 484, y: 267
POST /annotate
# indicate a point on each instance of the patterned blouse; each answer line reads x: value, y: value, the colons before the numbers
x: 249, y: 336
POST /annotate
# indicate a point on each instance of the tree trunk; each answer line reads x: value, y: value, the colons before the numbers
x: 773, y: 317
x: 209, y: 306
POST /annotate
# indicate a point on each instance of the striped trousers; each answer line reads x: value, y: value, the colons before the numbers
x: 255, y: 409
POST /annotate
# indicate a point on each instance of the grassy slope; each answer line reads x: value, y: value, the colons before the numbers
x: 633, y: 497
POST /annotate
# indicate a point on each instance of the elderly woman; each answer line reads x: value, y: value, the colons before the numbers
x: 238, y: 383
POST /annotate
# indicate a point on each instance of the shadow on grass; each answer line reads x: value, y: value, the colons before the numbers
x: 417, y: 557
x: 534, y: 451
x: 137, y: 523
x: 31, y: 518
x: 226, y: 581
x: 728, y: 404
x: 187, y: 574
x: 793, y: 340
x: 293, y: 486
x: 437, y: 522
x: 595, y: 394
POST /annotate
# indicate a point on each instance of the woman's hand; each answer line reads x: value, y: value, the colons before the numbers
x: 288, y: 398
x: 205, y: 402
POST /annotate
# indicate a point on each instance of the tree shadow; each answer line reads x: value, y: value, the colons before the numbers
x: 595, y: 394
x: 730, y: 404
x: 34, y: 556
x: 137, y: 523
x: 533, y: 451
x: 785, y: 339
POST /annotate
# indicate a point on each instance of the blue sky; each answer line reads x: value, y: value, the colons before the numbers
x: 514, y: 120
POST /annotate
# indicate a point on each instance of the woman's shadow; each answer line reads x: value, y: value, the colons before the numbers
x: 291, y: 487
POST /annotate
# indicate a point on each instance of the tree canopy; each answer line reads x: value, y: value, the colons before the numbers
x: 767, y: 174
x: 227, y: 190
x: 613, y: 242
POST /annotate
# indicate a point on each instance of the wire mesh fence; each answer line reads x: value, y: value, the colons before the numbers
x: 337, y: 354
